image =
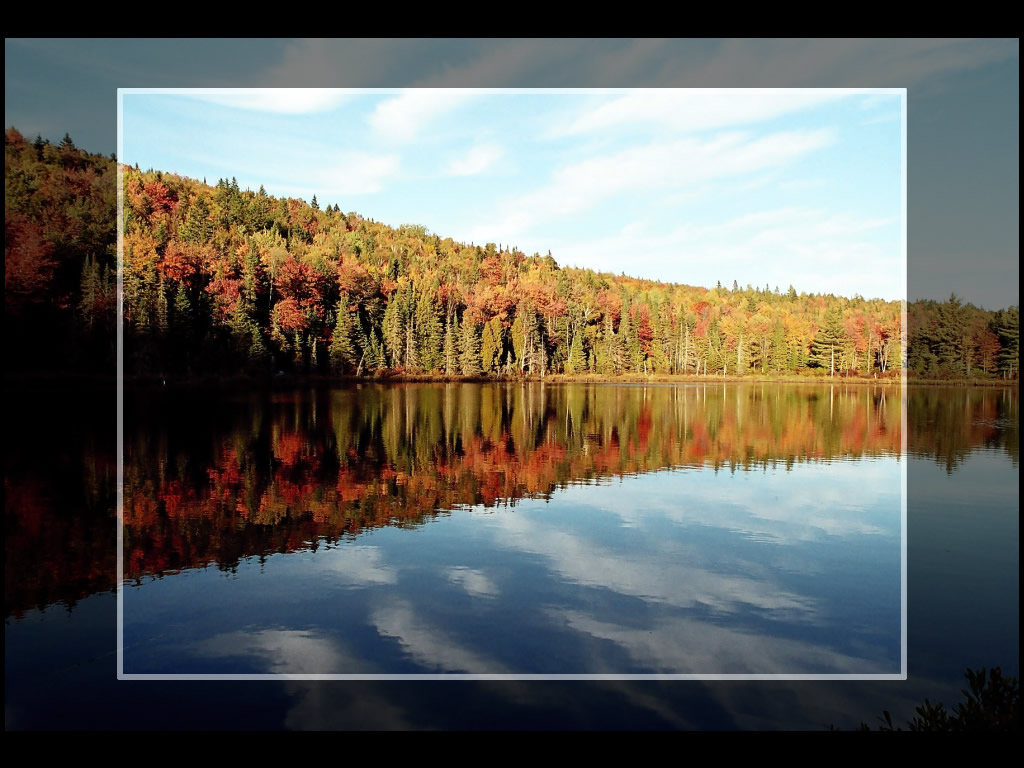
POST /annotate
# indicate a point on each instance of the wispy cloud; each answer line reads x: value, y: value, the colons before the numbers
x: 289, y: 101
x: 361, y: 566
x: 474, y: 581
x: 477, y: 160
x: 692, y: 110
x: 656, y: 166
x: 404, y: 117
x: 348, y: 173
x: 280, y: 651
x: 687, y: 646
x: 428, y: 646
x: 812, y: 249
x: 889, y: 118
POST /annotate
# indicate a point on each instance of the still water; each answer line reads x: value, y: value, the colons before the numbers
x: 511, y: 529
x: 517, y: 529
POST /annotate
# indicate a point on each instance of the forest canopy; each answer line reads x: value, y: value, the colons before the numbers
x: 219, y: 279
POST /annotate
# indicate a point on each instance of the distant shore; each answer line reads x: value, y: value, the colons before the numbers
x: 279, y: 380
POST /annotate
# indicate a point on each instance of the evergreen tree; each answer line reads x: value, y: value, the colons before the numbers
x: 183, y: 316
x: 393, y: 331
x: 949, y: 335
x: 197, y: 228
x: 779, y: 353
x: 1009, y: 339
x: 298, y: 356
x: 451, y: 357
x: 469, y: 348
x: 342, y: 350
x: 827, y: 347
x: 575, y: 362
x: 428, y: 333
x: 162, y: 323
x: 258, y: 354
x: 490, y: 346
x: 518, y: 333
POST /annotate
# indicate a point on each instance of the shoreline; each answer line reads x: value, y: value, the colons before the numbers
x: 211, y: 381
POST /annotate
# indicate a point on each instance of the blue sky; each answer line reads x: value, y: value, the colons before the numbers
x: 773, y: 187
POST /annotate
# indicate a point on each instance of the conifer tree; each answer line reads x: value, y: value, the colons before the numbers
x: 428, y: 333
x: 827, y: 347
x: 451, y: 357
x: 469, y: 348
x: 342, y: 350
x: 1009, y: 339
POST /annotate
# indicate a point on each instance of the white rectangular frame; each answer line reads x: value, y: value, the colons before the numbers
x: 122, y: 675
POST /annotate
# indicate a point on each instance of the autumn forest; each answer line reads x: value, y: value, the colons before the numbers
x: 223, y: 280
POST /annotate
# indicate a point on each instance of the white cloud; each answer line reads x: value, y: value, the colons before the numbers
x: 682, y: 646
x: 814, y: 250
x: 692, y: 110
x: 361, y: 566
x: 890, y: 118
x: 427, y: 645
x: 404, y: 117
x: 291, y: 101
x: 281, y: 651
x: 349, y: 173
x: 475, y: 582
x: 477, y: 160
x: 668, y: 582
x: 658, y: 166
x: 758, y: 506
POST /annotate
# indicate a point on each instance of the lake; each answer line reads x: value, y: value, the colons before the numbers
x: 522, y: 529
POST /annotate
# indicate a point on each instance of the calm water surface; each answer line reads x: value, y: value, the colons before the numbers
x: 525, y: 529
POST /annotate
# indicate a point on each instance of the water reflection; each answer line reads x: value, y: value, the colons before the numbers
x: 231, y: 483
x: 306, y: 467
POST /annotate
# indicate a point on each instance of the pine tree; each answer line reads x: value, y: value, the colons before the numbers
x: 827, y: 347
x: 451, y: 357
x: 298, y: 357
x: 257, y: 349
x: 575, y: 361
x: 518, y: 334
x: 949, y: 334
x: 780, y: 353
x: 183, y: 317
x: 341, y: 350
x: 428, y: 333
x: 393, y: 331
x: 1009, y: 339
x: 161, y: 307
x: 469, y: 348
x: 490, y: 345
x: 197, y: 228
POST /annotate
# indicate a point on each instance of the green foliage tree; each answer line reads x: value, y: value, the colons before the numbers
x: 469, y: 349
x: 827, y: 347
x: 342, y: 348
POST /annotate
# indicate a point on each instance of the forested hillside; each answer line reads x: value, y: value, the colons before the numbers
x: 218, y: 279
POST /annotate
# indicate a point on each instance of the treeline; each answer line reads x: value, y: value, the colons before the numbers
x: 223, y: 280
